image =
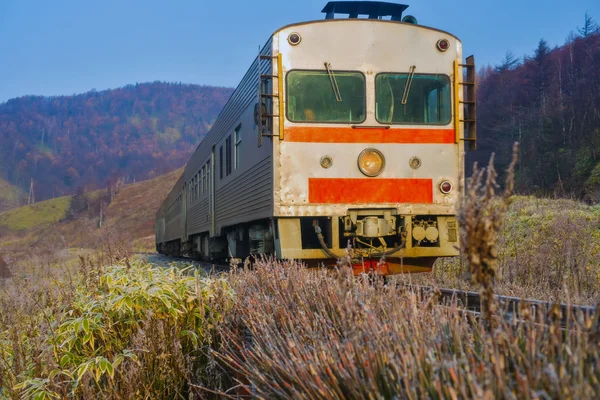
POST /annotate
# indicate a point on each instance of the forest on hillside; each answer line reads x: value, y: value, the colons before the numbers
x: 65, y: 143
x: 548, y: 101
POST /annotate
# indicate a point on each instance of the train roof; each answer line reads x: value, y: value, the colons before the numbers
x: 383, y: 21
x: 374, y: 9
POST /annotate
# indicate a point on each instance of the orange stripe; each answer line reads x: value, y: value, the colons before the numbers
x: 369, y: 190
x: 367, y: 135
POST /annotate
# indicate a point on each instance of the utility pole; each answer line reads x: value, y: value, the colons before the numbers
x: 31, y: 199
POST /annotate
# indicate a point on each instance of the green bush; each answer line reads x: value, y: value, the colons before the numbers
x: 134, y: 330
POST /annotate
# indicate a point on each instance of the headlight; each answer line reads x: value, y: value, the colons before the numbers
x: 371, y: 162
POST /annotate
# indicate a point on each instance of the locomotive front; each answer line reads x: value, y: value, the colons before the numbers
x: 372, y: 143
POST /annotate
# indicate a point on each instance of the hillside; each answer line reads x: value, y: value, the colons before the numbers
x: 550, y: 102
x: 73, y: 221
x: 134, y: 133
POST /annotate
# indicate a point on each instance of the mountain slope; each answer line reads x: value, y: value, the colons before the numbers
x: 74, y: 221
x: 132, y: 133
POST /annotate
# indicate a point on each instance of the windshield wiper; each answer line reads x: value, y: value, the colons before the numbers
x: 334, y: 84
x: 411, y: 75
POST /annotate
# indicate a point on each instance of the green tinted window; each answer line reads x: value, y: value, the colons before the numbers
x: 311, y: 96
x: 427, y: 99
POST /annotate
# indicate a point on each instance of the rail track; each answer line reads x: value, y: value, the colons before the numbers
x: 510, y: 306
x: 513, y: 307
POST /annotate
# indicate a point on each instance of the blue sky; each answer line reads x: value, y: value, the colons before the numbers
x: 61, y: 47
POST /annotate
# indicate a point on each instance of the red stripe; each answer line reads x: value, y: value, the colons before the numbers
x: 367, y: 135
x: 369, y: 190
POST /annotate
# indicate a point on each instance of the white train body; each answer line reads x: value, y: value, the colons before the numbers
x: 283, y: 157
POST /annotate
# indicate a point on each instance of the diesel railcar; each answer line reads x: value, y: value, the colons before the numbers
x: 346, y: 132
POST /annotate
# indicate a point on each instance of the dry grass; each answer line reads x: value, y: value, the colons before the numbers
x: 317, y: 335
x: 480, y: 220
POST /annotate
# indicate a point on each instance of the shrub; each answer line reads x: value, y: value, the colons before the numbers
x: 131, y: 330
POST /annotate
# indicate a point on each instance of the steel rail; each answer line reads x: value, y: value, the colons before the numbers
x: 512, y: 306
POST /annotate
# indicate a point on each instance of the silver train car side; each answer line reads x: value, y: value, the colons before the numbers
x: 345, y: 133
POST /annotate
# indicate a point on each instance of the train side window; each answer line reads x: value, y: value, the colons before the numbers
x: 221, y: 162
x: 237, y: 142
x: 204, y: 179
x: 228, y: 155
x: 207, y: 180
x: 198, y: 185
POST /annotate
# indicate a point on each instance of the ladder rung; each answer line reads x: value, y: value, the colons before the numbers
x: 467, y: 65
x: 269, y: 135
x: 467, y: 83
x: 467, y: 120
x: 268, y: 76
x: 268, y: 95
x: 264, y: 57
x: 469, y: 139
x: 468, y: 102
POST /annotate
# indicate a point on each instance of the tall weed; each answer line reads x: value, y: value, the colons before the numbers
x: 295, y: 333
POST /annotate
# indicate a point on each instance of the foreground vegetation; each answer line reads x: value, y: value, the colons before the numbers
x: 278, y: 330
x: 124, y: 331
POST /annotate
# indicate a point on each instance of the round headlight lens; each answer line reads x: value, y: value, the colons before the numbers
x: 371, y: 162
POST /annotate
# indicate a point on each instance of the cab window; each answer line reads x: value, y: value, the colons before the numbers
x: 317, y: 96
x: 424, y: 100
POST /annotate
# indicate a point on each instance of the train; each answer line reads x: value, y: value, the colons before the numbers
x: 346, y: 138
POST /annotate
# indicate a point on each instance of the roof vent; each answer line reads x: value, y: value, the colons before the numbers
x: 373, y: 9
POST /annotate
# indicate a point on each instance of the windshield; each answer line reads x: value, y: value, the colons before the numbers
x: 427, y: 99
x: 316, y: 96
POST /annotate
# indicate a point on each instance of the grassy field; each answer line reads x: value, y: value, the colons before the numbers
x: 38, y: 215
